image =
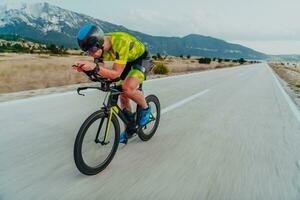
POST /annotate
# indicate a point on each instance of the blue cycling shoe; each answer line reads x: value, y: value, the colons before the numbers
x: 144, y: 116
x: 123, y: 138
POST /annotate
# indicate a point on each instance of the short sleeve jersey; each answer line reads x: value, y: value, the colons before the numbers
x: 126, y: 48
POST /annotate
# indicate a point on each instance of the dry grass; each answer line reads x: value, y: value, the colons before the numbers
x: 35, y: 72
x: 19, y: 72
x: 290, y: 74
x: 178, y: 65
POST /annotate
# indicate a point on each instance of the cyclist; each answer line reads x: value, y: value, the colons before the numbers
x: 127, y: 53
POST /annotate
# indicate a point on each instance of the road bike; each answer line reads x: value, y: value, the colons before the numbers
x: 98, y: 137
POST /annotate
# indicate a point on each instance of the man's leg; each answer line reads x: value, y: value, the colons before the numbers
x: 130, y: 89
x: 125, y: 102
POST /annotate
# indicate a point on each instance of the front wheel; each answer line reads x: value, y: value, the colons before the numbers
x: 91, y: 153
x: 145, y: 133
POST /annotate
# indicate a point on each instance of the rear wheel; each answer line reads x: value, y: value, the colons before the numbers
x: 91, y: 155
x: 146, y: 133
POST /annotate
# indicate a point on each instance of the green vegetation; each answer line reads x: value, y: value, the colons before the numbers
x: 204, y: 60
x: 160, y: 68
x: 17, y: 44
x: 53, y: 49
x: 16, y: 38
x: 17, y: 48
x: 158, y: 56
x: 242, y: 61
x: 23, y: 47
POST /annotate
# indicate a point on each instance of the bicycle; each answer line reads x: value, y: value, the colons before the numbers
x: 108, y: 137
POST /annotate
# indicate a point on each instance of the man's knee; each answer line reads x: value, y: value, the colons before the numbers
x: 127, y: 90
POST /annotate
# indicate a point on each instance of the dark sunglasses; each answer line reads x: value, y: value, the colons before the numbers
x: 94, y: 49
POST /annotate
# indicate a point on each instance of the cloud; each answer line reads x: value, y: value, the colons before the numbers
x: 225, y: 24
x: 229, y: 20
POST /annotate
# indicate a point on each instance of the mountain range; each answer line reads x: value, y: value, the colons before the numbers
x: 49, y: 24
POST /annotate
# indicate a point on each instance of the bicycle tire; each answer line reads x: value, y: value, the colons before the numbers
x: 78, y: 157
x: 141, y: 133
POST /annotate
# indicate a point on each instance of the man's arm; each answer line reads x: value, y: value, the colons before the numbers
x: 111, y: 73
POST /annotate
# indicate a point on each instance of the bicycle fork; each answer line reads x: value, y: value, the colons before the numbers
x: 106, y: 133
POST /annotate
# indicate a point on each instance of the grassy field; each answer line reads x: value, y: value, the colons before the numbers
x: 178, y: 65
x: 27, y: 72
x: 20, y: 72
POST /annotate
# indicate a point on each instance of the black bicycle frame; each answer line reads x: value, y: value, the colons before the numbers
x: 109, y: 108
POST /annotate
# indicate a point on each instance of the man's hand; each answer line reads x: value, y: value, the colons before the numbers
x: 84, y: 66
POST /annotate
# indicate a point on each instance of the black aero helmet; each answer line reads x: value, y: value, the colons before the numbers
x: 90, y: 36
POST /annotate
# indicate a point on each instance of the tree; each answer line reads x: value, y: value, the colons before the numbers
x: 242, y: 61
x: 18, y: 48
x: 158, y: 56
x: 62, y: 50
x: 154, y: 57
x: 53, y: 49
x: 204, y: 60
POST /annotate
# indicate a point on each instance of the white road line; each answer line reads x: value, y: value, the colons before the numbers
x: 292, y: 105
x: 183, y: 102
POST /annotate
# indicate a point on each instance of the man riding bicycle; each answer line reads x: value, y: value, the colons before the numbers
x: 128, y: 53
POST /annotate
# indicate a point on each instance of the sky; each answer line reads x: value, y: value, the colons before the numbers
x: 269, y: 26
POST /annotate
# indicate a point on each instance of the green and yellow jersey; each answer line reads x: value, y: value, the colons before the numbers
x: 126, y: 48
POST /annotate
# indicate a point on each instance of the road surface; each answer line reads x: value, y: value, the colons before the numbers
x: 224, y: 134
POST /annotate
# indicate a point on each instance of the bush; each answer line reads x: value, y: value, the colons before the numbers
x: 160, y: 68
x: 53, y: 49
x: 220, y: 60
x: 154, y: 57
x: 204, y: 60
x: 242, y: 61
x: 188, y: 56
x: 158, y: 56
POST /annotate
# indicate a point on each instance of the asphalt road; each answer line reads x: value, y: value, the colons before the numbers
x: 224, y: 134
